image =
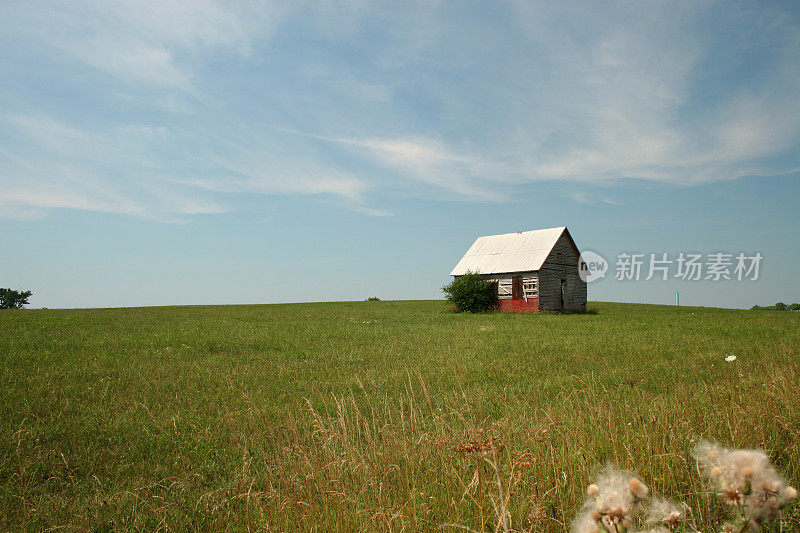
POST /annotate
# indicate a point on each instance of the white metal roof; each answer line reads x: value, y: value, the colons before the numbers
x: 511, y: 252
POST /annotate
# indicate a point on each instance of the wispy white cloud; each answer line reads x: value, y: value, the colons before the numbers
x: 425, y: 160
x: 262, y: 182
x: 433, y: 102
x: 53, y: 197
x: 585, y: 197
x: 580, y: 96
x: 641, y: 106
x: 412, y: 152
x: 151, y: 42
x: 35, y: 187
x: 136, y: 61
x: 72, y: 170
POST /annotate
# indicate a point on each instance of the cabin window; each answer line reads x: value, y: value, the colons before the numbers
x: 530, y: 287
x: 504, y: 288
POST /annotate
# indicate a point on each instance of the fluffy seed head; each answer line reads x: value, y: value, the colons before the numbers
x: 745, y: 478
x: 584, y: 523
x: 638, y: 489
x: 610, y: 500
x: 661, y: 512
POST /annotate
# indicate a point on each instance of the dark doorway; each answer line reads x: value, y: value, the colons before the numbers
x: 563, y: 294
x: 516, y: 288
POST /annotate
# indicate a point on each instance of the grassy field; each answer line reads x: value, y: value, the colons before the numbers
x: 354, y: 416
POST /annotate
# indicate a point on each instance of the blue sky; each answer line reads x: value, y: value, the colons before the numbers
x: 200, y: 152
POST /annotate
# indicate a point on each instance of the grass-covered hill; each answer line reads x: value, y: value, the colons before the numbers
x: 361, y: 416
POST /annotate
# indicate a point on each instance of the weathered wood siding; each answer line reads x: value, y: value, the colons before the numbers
x: 561, y: 264
x: 509, y: 275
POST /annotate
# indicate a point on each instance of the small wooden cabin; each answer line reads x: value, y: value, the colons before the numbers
x: 532, y: 270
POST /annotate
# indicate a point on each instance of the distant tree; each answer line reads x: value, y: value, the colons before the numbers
x: 780, y: 306
x: 471, y: 293
x: 10, y: 299
x: 373, y: 299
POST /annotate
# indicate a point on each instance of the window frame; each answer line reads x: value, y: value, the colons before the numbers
x: 530, y: 287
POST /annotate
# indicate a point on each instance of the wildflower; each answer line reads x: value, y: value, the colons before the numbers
x: 664, y: 513
x: 584, y: 523
x: 730, y: 358
x: 745, y: 480
x: 638, y: 489
x: 610, y: 502
x: 481, y: 447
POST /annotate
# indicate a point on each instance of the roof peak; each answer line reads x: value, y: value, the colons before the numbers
x: 526, y: 231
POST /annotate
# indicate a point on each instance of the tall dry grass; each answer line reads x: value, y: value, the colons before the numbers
x: 410, y: 463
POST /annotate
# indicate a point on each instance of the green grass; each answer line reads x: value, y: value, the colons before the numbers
x: 345, y: 416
